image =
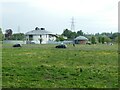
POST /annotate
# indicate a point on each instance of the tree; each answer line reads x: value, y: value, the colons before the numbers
x: 107, y: 39
x: 60, y: 38
x: 99, y: 39
x: 73, y: 35
x: 97, y: 34
x: 69, y: 34
x: 103, y: 40
x: 80, y: 33
x: 116, y: 39
x: 1, y: 35
x: 8, y: 34
x: 93, y: 41
x: 114, y: 35
x: 66, y: 33
x: 18, y: 36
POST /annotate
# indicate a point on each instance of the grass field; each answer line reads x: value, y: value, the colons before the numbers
x: 43, y: 66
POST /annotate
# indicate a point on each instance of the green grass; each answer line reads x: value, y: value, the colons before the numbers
x: 43, y: 66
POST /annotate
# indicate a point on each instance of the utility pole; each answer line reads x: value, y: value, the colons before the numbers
x: 72, y: 24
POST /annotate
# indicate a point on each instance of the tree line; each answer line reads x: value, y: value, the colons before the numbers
x: 93, y: 38
x: 10, y: 36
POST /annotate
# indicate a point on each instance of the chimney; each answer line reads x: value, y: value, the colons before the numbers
x: 42, y: 28
x: 36, y: 28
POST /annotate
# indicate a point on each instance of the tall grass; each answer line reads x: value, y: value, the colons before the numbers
x: 44, y: 66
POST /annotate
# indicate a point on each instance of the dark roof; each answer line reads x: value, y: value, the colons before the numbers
x: 80, y: 38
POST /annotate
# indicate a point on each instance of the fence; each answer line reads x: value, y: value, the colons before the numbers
x: 14, y: 42
x: 24, y: 42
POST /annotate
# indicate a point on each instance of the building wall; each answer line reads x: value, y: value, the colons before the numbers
x: 14, y: 42
x: 80, y: 41
x: 45, y: 38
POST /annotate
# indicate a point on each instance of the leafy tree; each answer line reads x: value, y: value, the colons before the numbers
x: 60, y: 38
x: 114, y: 36
x: 97, y: 34
x: 8, y: 34
x: 73, y: 35
x: 111, y: 35
x: 69, y: 34
x: 107, y: 39
x: 119, y: 38
x: 80, y: 33
x: 1, y: 35
x: 103, y: 40
x: 66, y: 33
x: 18, y: 36
x: 93, y: 41
x: 99, y: 39
x: 116, y: 39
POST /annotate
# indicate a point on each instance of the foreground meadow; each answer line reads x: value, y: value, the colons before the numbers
x: 43, y: 66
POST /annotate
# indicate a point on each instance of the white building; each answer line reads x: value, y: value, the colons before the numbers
x: 39, y: 36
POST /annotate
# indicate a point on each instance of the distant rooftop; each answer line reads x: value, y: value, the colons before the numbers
x: 38, y: 31
x: 80, y: 38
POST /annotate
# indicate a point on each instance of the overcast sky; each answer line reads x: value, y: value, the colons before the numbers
x: 90, y: 16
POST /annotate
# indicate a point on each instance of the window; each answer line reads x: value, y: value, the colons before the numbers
x: 30, y: 37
